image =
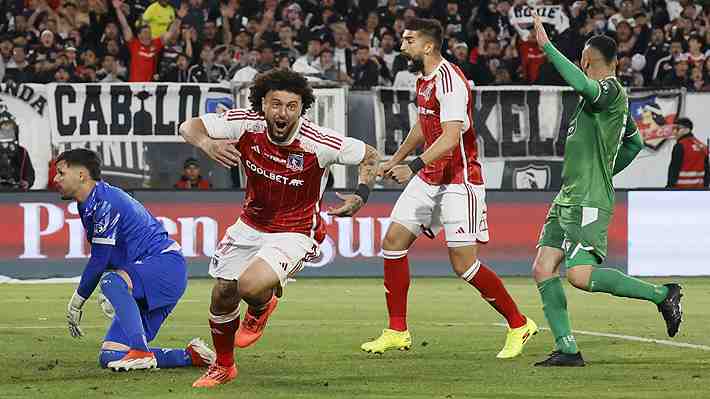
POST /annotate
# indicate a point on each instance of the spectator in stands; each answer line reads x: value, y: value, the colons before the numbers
x: 309, y: 61
x: 387, y: 52
x: 657, y: 49
x: 664, y: 66
x: 365, y: 71
x: 207, y: 71
x: 176, y: 46
x: 180, y: 72
x: 286, y: 42
x: 696, y: 56
x: 159, y: 16
x: 197, y: 14
x: 18, y: 69
x: 109, y: 70
x: 191, y: 178
x: 328, y: 69
x: 461, y: 59
x: 697, y: 81
x: 679, y: 76
x: 266, y: 59
x: 247, y: 73
x: 62, y: 75
x: 144, y: 49
x: 342, y: 53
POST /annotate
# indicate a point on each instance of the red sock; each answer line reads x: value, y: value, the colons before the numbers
x: 223, y: 340
x: 492, y: 290
x: 396, y: 288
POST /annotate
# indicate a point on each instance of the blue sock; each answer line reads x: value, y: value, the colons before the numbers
x: 167, y: 358
x: 129, y: 317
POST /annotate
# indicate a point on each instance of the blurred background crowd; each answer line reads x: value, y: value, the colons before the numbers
x: 349, y: 42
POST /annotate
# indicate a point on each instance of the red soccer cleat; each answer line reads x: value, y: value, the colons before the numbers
x: 252, y: 328
x: 216, y: 375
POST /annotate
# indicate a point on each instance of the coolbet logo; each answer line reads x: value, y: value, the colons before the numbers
x: 268, y: 174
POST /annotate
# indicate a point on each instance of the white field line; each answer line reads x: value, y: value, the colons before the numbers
x: 632, y: 338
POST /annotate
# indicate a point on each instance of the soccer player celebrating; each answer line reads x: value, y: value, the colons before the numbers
x: 602, y: 140
x: 286, y: 158
x: 446, y: 191
x: 141, y: 271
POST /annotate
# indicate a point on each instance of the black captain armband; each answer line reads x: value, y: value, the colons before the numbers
x: 416, y: 165
x: 363, y: 191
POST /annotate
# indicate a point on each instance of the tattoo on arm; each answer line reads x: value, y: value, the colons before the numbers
x: 368, y: 167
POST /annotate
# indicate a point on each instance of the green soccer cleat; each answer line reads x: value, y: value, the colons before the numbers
x: 390, y: 339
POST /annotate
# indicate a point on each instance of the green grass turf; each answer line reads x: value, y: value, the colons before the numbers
x: 311, y: 347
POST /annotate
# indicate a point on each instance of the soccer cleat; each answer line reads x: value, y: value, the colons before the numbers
x: 390, y: 339
x: 252, y: 328
x: 216, y: 375
x: 201, y: 354
x: 134, y: 360
x: 561, y: 359
x: 671, y: 309
x: 516, y: 339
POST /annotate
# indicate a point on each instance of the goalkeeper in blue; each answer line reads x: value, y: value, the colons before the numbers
x: 140, y: 270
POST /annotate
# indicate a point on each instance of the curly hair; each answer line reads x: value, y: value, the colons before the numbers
x: 281, y: 79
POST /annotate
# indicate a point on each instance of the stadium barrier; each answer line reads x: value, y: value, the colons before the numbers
x: 44, y: 236
x: 134, y: 127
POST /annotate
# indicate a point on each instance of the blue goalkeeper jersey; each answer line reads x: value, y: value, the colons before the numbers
x: 112, y: 217
x: 121, y: 232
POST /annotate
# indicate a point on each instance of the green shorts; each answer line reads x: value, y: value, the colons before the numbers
x: 581, y: 232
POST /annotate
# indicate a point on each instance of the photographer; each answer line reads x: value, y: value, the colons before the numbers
x: 16, y: 171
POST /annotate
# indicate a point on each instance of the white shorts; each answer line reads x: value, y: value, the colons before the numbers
x: 284, y: 252
x: 460, y: 209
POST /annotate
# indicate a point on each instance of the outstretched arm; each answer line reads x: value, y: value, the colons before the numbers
x: 127, y: 32
x: 588, y: 88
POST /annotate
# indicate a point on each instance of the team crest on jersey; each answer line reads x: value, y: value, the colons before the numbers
x: 426, y: 91
x: 295, y: 162
x: 532, y: 177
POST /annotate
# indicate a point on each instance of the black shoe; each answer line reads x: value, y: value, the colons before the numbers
x: 561, y: 359
x: 671, y: 310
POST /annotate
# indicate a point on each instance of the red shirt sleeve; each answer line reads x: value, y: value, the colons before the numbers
x: 158, y: 43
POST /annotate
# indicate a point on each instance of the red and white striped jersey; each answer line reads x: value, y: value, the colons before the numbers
x: 285, y: 182
x: 445, y: 95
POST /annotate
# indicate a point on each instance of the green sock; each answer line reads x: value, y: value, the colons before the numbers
x: 617, y: 283
x: 554, y: 304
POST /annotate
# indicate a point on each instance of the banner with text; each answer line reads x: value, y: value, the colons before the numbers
x: 133, y: 126
x: 45, y: 236
x: 521, y: 132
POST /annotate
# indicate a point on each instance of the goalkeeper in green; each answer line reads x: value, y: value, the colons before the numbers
x: 602, y: 139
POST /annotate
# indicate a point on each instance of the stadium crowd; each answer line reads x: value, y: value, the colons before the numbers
x: 351, y: 42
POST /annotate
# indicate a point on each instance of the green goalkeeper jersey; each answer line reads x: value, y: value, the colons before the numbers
x: 598, y: 127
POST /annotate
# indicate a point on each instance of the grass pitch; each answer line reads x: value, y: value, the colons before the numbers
x: 311, y: 347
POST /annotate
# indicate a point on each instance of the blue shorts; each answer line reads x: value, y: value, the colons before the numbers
x: 158, y: 284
